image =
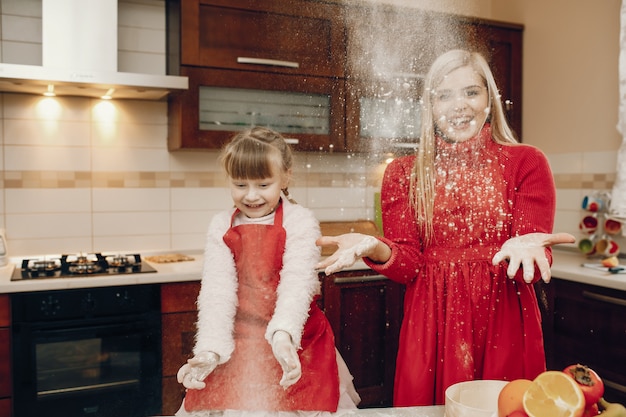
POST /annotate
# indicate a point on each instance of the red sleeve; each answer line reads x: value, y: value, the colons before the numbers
x: 399, y: 225
x: 531, y: 186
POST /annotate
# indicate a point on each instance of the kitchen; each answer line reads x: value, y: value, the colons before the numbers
x: 82, y: 182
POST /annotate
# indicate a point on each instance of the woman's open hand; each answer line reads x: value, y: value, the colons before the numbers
x: 351, y: 247
x: 528, y: 250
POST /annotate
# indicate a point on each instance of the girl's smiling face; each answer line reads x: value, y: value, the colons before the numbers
x: 460, y: 104
x: 258, y: 197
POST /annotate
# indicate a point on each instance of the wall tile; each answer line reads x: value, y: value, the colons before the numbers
x: 189, y: 241
x: 131, y: 244
x: 119, y: 159
x: 24, y: 248
x: 30, y: 8
x: 47, y: 201
x: 190, y: 222
x: 49, y: 225
x: 46, y: 158
x: 200, y: 199
x: 130, y: 199
x: 599, y: 162
x: 146, y: 223
x: 565, y: 163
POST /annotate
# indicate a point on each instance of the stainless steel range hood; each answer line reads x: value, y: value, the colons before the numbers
x: 79, y: 57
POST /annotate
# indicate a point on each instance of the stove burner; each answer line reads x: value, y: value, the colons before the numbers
x: 81, y: 265
x: 44, y: 265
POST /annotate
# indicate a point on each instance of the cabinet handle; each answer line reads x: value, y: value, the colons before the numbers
x: 604, y: 298
x: 350, y: 280
x: 265, y: 61
x: 614, y: 385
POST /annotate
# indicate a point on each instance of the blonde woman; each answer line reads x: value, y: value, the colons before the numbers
x: 467, y: 227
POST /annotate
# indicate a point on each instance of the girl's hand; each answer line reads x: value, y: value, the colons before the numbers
x: 528, y: 250
x: 194, y: 372
x: 285, y: 353
x: 351, y: 247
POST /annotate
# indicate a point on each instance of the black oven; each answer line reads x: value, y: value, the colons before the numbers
x: 87, y: 352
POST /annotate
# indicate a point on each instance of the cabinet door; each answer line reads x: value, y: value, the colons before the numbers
x: 5, y: 363
x: 179, y: 330
x: 178, y: 325
x: 198, y: 122
x: 589, y: 328
x: 289, y: 37
x: 365, y: 310
x: 5, y: 352
x: 501, y: 44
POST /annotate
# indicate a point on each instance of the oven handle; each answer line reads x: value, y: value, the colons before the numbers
x: 359, y: 279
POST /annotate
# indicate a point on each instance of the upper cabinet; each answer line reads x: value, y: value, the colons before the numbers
x: 329, y: 76
x: 389, y: 51
x: 273, y: 63
x: 294, y: 37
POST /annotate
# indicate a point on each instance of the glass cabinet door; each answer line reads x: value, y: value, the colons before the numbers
x: 308, y: 111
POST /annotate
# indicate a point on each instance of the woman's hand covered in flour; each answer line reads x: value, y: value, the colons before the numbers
x: 285, y: 353
x: 351, y: 247
x: 193, y: 373
x: 528, y: 250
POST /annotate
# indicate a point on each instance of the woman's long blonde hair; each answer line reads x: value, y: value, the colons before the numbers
x: 422, y: 194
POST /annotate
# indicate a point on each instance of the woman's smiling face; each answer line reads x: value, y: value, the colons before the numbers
x: 460, y: 104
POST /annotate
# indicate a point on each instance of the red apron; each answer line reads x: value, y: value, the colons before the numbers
x: 250, y: 379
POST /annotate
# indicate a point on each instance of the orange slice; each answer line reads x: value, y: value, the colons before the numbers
x: 554, y: 394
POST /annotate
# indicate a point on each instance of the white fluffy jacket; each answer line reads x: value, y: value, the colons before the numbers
x: 299, y: 283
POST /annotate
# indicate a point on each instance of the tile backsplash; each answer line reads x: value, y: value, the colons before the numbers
x: 92, y: 181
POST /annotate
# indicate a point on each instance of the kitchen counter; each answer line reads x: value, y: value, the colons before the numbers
x: 567, y: 265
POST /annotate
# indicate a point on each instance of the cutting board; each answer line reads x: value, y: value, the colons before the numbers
x: 366, y: 227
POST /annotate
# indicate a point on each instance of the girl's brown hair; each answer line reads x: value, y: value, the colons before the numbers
x: 255, y: 153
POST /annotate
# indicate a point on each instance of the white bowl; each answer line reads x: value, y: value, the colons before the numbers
x: 473, y: 398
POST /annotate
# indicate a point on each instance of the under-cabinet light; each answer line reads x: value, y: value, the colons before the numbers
x: 50, y: 91
x: 108, y: 95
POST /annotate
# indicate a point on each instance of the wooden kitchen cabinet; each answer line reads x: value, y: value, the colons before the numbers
x: 389, y: 51
x: 178, y: 321
x: 273, y: 63
x: 365, y: 311
x: 303, y: 37
x: 195, y: 126
x: 585, y: 324
x: 5, y: 357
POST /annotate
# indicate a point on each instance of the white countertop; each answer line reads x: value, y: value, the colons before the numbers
x: 567, y: 265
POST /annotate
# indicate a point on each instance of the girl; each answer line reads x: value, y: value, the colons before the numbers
x: 470, y: 198
x: 262, y: 345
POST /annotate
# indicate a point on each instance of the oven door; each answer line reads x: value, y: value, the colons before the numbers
x: 88, y: 367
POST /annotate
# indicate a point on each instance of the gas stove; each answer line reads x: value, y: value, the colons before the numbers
x: 80, y: 265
